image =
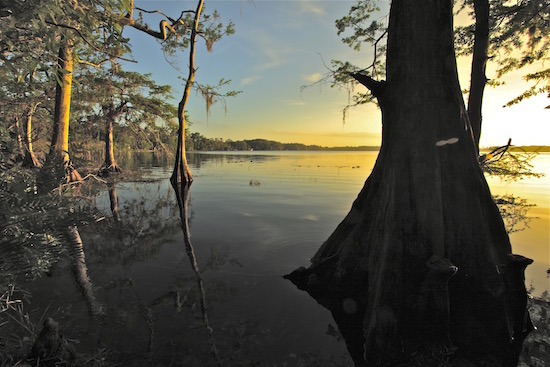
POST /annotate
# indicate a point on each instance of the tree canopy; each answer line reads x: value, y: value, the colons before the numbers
x: 519, y: 39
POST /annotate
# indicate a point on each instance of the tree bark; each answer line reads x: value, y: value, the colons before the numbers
x: 422, y: 263
x: 30, y: 159
x: 60, y: 138
x: 478, y: 78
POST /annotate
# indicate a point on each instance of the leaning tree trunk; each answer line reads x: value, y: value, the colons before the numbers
x: 30, y: 159
x: 60, y: 138
x: 422, y: 263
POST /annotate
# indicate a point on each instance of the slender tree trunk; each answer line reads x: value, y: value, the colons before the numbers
x: 478, y: 79
x: 60, y: 138
x: 110, y: 165
x: 30, y: 159
x: 19, y: 138
x: 422, y: 263
x: 181, y: 173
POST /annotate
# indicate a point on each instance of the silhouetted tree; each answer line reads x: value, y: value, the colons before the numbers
x: 421, y: 269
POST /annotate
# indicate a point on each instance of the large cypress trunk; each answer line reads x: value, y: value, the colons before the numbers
x: 422, y: 263
x: 60, y: 136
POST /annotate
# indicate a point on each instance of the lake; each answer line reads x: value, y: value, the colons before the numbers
x: 254, y: 216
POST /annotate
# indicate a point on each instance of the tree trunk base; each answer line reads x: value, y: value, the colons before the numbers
x: 31, y: 161
x: 108, y: 169
x: 72, y: 174
x: 181, y: 176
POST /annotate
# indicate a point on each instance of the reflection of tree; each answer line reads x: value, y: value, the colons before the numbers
x: 181, y: 189
x: 148, y: 222
x: 510, y: 166
x: 80, y: 271
x: 113, y: 198
x: 513, y: 210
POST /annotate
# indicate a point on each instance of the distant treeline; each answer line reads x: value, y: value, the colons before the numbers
x: 197, y: 142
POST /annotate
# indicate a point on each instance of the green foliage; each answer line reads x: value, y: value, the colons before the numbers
x: 37, y: 28
x: 357, y: 29
x: 211, y: 29
x: 519, y: 36
x: 134, y: 102
x: 358, y: 15
x: 212, y: 95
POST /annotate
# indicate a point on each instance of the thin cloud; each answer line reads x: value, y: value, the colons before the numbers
x: 272, y: 52
x: 312, y: 8
x: 312, y: 78
x: 249, y: 80
x: 294, y: 102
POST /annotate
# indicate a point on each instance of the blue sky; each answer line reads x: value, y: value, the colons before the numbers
x: 278, y: 47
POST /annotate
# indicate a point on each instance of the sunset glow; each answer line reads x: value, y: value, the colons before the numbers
x: 281, y: 46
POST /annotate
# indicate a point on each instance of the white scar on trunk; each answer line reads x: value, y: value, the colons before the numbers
x: 441, y: 143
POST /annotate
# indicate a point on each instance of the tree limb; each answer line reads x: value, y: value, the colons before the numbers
x: 89, y: 63
x: 167, y: 17
x: 376, y: 87
x: 161, y: 34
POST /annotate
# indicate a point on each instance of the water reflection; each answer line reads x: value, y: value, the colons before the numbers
x: 80, y: 271
x: 182, y: 196
x: 245, y: 238
x: 113, y: 198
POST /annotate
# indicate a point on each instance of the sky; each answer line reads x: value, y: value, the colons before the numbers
x: 279, y: 47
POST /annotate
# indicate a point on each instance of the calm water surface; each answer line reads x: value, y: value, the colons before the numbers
x: 253, y: 217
